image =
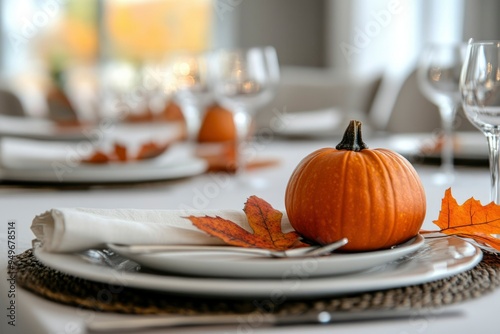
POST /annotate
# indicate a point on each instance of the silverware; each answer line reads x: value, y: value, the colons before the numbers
x: 296, y: 252
x: 141, y: 323
x: 108, y: 258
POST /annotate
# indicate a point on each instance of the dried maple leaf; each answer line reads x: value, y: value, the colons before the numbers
x: 264, y: 220
x: 151, y: 150
x: 120, y: 152
x: 222, y: 157
x: 469, y: 220
x: 97, y: 158
x: 147, y: 150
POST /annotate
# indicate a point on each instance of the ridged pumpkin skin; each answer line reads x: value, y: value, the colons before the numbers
x: 372, y: 197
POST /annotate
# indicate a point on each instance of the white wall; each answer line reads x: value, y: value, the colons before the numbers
x: 386, y: 36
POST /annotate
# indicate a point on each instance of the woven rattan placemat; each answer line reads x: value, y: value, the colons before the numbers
x: 54, y: 285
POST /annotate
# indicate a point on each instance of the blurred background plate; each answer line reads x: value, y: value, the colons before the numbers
x: 158, y: 169
x: 470, y: 147
x: 38, y: 128
x: 314, y: 123
x: 60, y: 162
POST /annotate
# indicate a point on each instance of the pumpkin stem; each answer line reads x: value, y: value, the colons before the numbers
x: 352, y: 138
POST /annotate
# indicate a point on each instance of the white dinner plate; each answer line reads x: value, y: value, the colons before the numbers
x: 38, y: 128
x: 217, y: 264
x: 54, y: 162
x: 436, y: 259
x: 151, y: 170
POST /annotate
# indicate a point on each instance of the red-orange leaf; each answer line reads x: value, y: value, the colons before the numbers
x: 151, y: 150
x: 120, y: 152
x: 264, y: 220
x: 97, y: 158
x: 229, y: 232
x: 470, y: 220
x: 485, y: 239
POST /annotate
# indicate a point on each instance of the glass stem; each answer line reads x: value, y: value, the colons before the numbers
x: 1, y: 157
x: 192, y: 117
x: 242, y: 121
x: 447, y: 112
x: 494, y: 145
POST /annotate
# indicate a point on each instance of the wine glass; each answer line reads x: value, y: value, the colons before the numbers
x: 188, y: 79
x: 480, y: 91
x: 244, y: 79
x: 438, y: 78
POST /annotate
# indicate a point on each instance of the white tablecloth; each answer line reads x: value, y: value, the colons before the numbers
x: 36, y: 315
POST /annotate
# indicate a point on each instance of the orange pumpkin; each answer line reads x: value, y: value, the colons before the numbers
x: 217, y: 126
x: 373, y: 197
x: 172, y: 112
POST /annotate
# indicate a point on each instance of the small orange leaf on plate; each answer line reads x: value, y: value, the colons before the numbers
x: 264, y: 220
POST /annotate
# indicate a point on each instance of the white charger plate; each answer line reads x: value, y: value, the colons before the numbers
x: 217, y: 264
x: 436, y: 259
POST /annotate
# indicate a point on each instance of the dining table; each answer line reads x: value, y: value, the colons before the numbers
x: 25, y: 311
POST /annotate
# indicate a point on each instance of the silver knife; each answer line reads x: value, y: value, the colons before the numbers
x: 139, y: 323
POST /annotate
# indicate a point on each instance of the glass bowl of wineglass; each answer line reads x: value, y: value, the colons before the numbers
x: 438, y: 78
x: 480, y: 93
x: 188, y: 80
x: 244, y: 80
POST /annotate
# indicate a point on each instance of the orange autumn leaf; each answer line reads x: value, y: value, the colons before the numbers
x: 221, y: 157
x: 148, y: 150
x: 97, y: 158
x: 264, y: 220
x: 120, y: 152
x: 151, y: 150
x: 470, y: 220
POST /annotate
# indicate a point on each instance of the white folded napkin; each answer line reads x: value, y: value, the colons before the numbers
x: 76, y: 229
x: 22, y: 152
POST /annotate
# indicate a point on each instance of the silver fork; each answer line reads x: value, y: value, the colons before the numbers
x: 311, y: 251
x: 105, y: 257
